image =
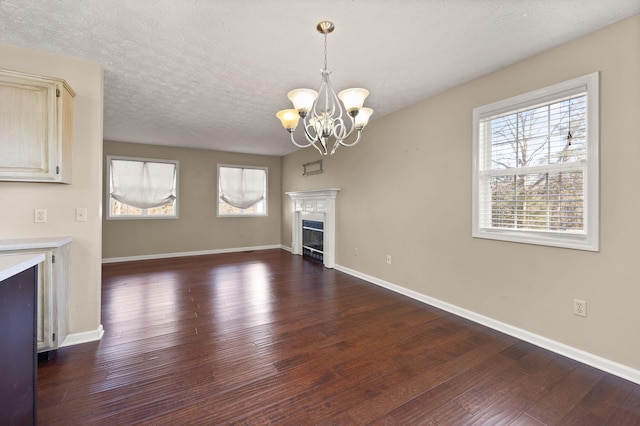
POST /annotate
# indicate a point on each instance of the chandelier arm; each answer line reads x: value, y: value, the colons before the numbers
x: 326, y: 96
x: 312, y: 139
x: 336, y: 144
x: 336, y: 103
x: 312, y: 142
x: 306, y: 131
x: 297, y: 144
x: 338, y: 126
x: 319, y: 149
x: 331, y: 101
x: 339, y: 142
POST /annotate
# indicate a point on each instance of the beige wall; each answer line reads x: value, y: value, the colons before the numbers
x: 197, y: 228
x: 406, y: 191
x: 19, y: 199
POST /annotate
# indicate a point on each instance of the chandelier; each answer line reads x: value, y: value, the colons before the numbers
x: 323, y: 115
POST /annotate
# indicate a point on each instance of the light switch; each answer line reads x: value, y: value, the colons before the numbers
x: 81, y: 214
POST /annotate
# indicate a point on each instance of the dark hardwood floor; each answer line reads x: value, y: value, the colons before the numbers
x: 267, y: 337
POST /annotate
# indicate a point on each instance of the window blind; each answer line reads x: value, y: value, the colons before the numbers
x: 143, y: 184
x: 532, y: 167
x: 242, y: 187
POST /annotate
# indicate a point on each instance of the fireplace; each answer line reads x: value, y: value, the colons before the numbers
x: 313, y: 239
x: 313, y: 224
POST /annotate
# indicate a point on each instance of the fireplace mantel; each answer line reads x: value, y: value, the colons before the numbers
x: 318, y: 204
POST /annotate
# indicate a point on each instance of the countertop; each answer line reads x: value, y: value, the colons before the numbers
x: 13, y: 264
x: 33, y: 243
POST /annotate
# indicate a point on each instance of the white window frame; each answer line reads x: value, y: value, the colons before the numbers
x: 589, y: 238
x: 144, y: 214
x: 266, y: 192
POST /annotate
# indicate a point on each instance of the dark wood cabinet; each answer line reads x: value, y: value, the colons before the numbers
x: 18, y: 353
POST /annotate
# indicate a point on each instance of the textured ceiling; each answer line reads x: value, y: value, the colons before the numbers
x: 212, y: 74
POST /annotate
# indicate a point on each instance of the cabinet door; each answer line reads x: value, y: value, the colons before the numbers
x: 45, y: 319
x: 18, y: 357
x: 59, y: 293
x: 35, y: 128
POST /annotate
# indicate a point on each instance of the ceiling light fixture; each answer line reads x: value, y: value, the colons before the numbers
x: 322, y: 112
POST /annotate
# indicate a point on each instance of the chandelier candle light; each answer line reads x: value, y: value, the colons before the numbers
x: 321, y: 111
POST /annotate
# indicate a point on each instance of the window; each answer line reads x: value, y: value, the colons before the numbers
x: 535, y: 160
x: 141, y: 188
x: 242, y: 190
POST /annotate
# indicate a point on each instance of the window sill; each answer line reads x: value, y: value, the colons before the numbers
x: 142, y: 217
x: 570, y: 241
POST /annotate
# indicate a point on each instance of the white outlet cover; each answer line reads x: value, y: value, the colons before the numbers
x: 580, y: 307
x: 40, y: 215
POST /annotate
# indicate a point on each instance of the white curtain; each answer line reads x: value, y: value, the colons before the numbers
x: 143, y: 184
x: 242, y: 188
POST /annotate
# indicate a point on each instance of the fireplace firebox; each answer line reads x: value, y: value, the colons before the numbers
x: 313, y: 239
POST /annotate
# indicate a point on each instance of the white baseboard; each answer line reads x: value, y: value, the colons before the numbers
x: 187, y: 253
x: 84, y: 337
x: 584, y: 357
x: 285, y: 248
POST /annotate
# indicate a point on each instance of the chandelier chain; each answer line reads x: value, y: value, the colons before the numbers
x: 325, y: 51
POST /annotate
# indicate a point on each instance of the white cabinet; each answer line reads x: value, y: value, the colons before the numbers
x: 36, y: 128
x: 53, y: 286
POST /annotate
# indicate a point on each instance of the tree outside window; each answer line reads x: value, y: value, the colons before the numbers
x: 536, y: 167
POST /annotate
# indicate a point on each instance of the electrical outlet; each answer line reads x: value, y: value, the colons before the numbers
x: 389, y: 259
x: 356, y: 251
x: 579, y: 307
x: 40, y: 215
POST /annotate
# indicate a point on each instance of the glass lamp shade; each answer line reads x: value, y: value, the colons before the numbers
x: 302, y: 99
x: 289, y: 118
x: 353, y: 98
x: 362, y: 118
